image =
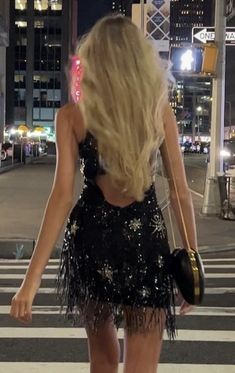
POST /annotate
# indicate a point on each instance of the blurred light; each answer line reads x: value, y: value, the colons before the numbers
x: 12, y: 131
x: 199, y: 109
x: 225, y: 153
x: 47, y: 129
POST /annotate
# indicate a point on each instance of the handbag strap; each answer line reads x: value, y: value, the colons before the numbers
x: 179, y: 205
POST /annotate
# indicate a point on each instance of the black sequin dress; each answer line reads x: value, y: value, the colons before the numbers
x: 113, y: 263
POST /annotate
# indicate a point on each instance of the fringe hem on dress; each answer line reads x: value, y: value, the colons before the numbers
x: 82, y: 307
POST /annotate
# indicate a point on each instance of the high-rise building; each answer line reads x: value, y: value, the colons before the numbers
x: 42, y: 35
x: 186, y: 14
x: 41, y: 32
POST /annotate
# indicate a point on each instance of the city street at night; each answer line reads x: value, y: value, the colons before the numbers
x: 95, y: 97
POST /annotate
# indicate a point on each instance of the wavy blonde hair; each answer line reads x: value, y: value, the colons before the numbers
x: 124, y: 90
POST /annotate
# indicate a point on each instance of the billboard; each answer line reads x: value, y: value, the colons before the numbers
x: 156, y: 22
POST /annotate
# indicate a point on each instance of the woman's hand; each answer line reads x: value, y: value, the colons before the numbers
x: 21, y: 303
x: 185, y: 308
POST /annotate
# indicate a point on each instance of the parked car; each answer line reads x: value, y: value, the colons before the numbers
x: 6, y: 151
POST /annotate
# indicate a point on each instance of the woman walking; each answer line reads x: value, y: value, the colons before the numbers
x: 113, y: 266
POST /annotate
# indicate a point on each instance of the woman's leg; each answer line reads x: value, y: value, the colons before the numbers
x: 142, y: 350
x: 104, y: 349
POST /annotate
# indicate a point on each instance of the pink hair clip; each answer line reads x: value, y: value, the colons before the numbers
x: 76, y: 77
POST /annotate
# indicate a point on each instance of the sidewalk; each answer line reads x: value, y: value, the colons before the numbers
x: 213, y: 233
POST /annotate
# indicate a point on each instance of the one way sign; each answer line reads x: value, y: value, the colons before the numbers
x: 207, y: 35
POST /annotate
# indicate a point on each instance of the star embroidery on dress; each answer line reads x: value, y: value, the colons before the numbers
x: 158, y: 225
x: 144, y: 292
x: 106, y: 272
x: 135, y: 224
x: 74, y: 227
x: 160, y: 261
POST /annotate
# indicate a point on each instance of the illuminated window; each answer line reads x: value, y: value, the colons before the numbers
x: 22, y: 24
x: 38, y: 24
x: 20, y: 5
x: 43, y: 5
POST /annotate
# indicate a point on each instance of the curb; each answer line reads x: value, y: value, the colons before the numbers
x: 16, y: 165
x: 216, y: 248
x: 10, y: 167
x: 21, y: 248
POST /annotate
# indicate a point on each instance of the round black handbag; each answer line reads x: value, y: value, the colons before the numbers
x: 188, y: 272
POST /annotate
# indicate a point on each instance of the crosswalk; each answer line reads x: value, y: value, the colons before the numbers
x: 205, y: 342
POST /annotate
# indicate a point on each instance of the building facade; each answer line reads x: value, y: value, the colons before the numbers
x: 41, y: 34
x: 185, y: 15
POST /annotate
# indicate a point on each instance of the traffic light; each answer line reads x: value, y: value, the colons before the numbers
x: 186, y: 60
x: 194, y: 60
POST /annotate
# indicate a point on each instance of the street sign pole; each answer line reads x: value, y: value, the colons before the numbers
x: 211, y: 202
x: 142, y: 15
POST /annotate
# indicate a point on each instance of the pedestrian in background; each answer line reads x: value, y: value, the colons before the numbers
x: 113, y: 266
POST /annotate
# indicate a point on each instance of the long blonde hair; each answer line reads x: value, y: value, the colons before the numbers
x: 124, y: 91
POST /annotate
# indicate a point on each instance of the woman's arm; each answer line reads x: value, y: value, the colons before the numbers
x: 61, y: 196
x: 173, y: 163
x: 57, y: 209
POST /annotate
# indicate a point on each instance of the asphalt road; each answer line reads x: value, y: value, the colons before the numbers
x: 195, y: 166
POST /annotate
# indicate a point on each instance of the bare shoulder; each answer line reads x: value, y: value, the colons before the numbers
x: 69, y: 117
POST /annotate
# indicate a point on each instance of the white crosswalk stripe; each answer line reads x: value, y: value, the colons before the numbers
x: 50, y: 346
x: 13, y: 276
x: 84, y: 368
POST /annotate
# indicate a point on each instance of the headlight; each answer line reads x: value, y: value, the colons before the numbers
x: 225, y: 153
